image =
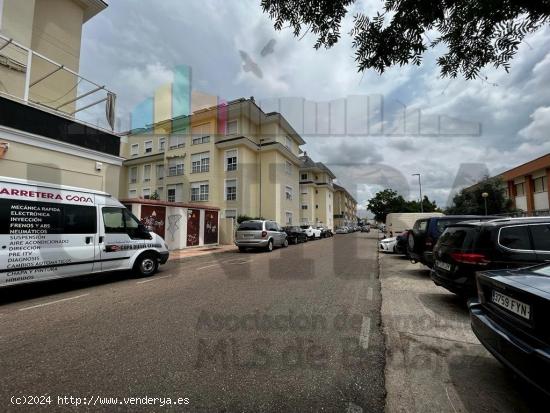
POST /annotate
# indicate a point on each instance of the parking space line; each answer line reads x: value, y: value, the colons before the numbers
x: 370, y: 294
x: 153, y: 279
x: 207, y: 266
x: 53, y: 302
x: 365, y: 333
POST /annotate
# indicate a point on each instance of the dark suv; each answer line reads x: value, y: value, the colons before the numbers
x: 427, y: 231
x: 468, y: 247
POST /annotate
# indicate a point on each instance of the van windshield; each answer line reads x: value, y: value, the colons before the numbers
x: 250, y: 226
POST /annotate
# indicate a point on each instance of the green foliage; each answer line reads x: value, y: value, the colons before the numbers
x: 474, y: 33
x: 242, y: 218
x: 155, y: 196
x: 388, y: 201
x: 470, y: 201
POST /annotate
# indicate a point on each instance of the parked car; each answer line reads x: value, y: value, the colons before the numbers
x: 401, y: 244
x: 468, y: 247
x: 325, y: 232
x: 365, y: 228
x: 295, y: 235
x: 388, y: 244
x: 510, y: 318
x: 342, y: 230
x: 260, y: 234
x: 312, y: 233
x: 427, y: 231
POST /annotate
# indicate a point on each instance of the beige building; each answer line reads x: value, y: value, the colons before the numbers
x: 345, y: 207
x: 40, y: 142
x: 246, y: 164
x: 316, y: 193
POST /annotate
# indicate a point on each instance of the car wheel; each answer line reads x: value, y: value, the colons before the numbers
x: 146, y: 265
x: 296, y: 241
x: 285, y: 243
x: 269, y: 247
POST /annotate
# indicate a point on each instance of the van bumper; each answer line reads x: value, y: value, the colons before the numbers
x: 163, y: 256
x: 252, y: 243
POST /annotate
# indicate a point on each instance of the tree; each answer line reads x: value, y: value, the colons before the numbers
x: 388, y: 201
x: 155, y: 196
x: 470, y: 200
x: 474, y: 33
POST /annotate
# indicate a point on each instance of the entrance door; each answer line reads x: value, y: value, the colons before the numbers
x: 193, y: 226
x: 211, y: 227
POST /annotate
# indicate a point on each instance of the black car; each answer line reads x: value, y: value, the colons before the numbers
x: 427, y: 231
x: 510, y: 318
x: 401, y: 245
x: 325, y: 232
x: 295, y: 235
x: 468, y: 247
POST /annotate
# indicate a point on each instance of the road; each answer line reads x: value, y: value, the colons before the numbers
x: 294, y: 330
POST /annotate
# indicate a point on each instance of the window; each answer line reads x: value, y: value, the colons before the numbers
x: 231, y: 160
x: 133, y: 175
x: 201, y: 134
x: 288, y: 167
x: 160, y: 172
x: 541, y: 237
x: 148, y: 146
x: 516, y: 238
x: 316, y: 206
x: 304, y: 207
x: 232, y: 127
x: 162, y: 144
x: 121, y: 221
x: 146, y: 173
x: 160, y: 191
x: 134, y: 151
x: 200, y: 162
x: 541, y: 184
x: 271, y: 226
x: 177, y: 141
x: 199, y: 191
x: 520, y: 189
x: 174, y: 193
x: 146, y: 193
x: 171, y: 195
x: 231, y: 213
x: 288, y: 193
x: 303, y: 177
x: 231, y: 190
x: 132, y: 193
x: 175, y: 166
x: 288, y: 218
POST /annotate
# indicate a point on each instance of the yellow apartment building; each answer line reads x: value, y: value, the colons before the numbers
x: 316, y: 193
x: 39, y: 137
x: 345, y: 207
x: 246, y: 164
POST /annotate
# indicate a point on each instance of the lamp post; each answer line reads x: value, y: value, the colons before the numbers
x: 420, y: 186
x: 485, y: 195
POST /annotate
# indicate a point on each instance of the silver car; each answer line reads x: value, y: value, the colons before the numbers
x: 260, y: 234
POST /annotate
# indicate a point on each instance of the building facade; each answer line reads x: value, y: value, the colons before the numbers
x: 316, y: 193
x: 37, y: 141
x: 345, y: 207
x: 245, y: 162
x: 528, y: 187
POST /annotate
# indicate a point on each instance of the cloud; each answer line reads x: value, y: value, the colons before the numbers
x: 539, y: 128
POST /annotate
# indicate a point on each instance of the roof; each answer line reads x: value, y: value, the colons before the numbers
x: 341, y: 188
x: 92, y: 7
x: 308, y: 163
x: 526, y: 168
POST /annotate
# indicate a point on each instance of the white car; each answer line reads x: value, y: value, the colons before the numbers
x: 312, y: 233
x: 341, y: 230
x: 388, y: 244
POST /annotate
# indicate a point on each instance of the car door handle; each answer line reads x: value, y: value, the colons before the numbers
x: 88, y: 240
x: 101, y: 239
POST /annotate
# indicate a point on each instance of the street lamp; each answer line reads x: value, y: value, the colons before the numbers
x: 420, y: 186
x: 485, y: 195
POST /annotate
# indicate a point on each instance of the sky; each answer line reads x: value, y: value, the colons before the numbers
x: 374, y: 131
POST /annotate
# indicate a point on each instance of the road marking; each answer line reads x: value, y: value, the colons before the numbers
x: 369, y: 294
x: 207, y: 266
x: 53, y: 302
x: 153, y: 279
x: 365, y: 333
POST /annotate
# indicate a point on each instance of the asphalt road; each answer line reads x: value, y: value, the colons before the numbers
x: 294, y: 330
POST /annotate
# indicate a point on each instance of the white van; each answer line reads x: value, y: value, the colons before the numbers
x: 397, y: 222
x: 52, y: 231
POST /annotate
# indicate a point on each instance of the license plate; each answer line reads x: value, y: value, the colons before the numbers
x: 443, y: 265
x: 509, y: 303
x: 248, y: 235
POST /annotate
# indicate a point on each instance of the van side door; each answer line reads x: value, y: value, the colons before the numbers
x: 123, y: 237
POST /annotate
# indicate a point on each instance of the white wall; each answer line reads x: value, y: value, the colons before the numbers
x: 521, y: 202
x: 541, y: 200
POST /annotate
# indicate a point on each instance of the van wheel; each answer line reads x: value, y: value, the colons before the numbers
x: 146, y: 265
x: 269, y: 247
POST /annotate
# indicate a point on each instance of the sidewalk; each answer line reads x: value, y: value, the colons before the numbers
x: 198, y: 251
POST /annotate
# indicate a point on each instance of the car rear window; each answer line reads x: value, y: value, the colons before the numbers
x: 304, y: 226
x: 457, y: 237
x: 250, y: 226
x: 421, y: 225
x: 541, y: 237
x: 516, y: 238
x: 441, y: 224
